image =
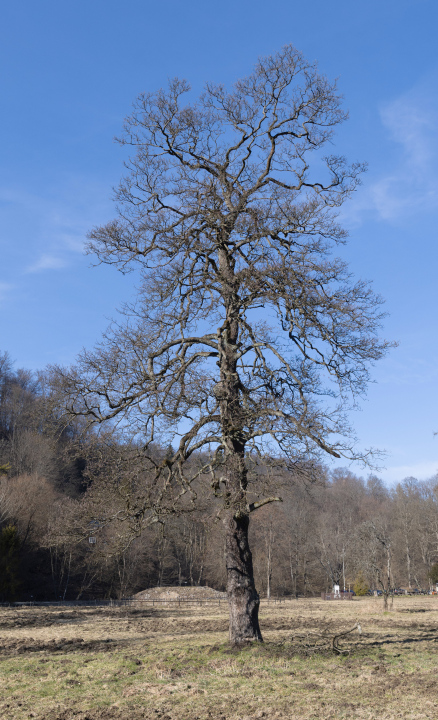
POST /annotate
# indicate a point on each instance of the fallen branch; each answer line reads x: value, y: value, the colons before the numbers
x: 323, y: 641
x: 335, y: 646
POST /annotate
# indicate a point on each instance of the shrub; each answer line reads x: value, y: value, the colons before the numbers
x: 360, y: 586
x: 433, y: 573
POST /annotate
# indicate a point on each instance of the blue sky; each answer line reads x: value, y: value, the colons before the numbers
x: 70, y: 72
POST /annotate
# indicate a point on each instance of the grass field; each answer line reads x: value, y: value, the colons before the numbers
x: 175, y: 664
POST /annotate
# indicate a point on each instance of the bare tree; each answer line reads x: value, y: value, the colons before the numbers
x: 428, y: 525
x: 376, y: 538
x: 244, y: 322
x: 406, y: 499
x: 266, y: 544
x: 188, y: 537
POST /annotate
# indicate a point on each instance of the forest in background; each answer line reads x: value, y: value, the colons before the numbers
x: 56, y: 540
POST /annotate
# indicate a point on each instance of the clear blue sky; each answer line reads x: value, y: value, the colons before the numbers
x: 69, y: 72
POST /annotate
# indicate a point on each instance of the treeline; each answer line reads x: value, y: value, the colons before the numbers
x: 63, y: 533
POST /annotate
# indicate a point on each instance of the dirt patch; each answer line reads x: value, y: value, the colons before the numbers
x: 63, y: 645
x: 39, y: 619
x: 104, y: 714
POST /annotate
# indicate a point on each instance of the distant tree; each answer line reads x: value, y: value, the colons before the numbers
x: 338, y: 517
x: 268, y: 531
x: 244, y: 321
x: 376, y: 539
x: 433, y: 574
x: 9, y: 563
x: 360, y: 587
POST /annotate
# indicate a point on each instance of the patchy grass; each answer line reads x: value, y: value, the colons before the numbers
x: 170, y: 664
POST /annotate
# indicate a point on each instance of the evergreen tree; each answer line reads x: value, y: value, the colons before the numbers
x: 9, y: 563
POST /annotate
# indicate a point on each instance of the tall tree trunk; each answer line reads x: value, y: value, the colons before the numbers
x: 408, y: 562
x: 269, y: 540
x: 305, y: 576
x: 292, y: 574
x: 243, y: 599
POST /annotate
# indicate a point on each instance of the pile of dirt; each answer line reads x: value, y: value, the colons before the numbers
x: 180, y: 592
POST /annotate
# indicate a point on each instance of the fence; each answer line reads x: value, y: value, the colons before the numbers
x: 131, y: 602
x: 343, y: 595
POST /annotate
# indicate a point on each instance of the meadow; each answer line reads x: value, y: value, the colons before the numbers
x: 174, y: 663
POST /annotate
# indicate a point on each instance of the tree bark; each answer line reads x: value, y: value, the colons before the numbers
x: 243, y: 599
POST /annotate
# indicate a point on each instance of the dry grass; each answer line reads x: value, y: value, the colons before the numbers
x: 170, y: 664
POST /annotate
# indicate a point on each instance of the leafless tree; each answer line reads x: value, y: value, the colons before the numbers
x: 244, y: 322
x: 428, y: 525
x: 188, y: 538
x: 376, y: 537
x: 406, y: 500
x: 270, y: 526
